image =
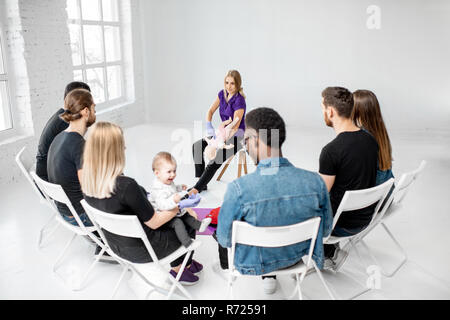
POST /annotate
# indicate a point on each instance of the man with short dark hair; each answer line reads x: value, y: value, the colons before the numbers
x: 349, y: 162
x: 276, y: 194
x: 54, y: 126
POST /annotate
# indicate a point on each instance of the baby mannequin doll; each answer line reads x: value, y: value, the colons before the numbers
x: 222, y: 135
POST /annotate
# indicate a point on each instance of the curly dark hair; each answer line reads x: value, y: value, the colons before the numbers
x: 267, y: 120
x: 339, y: 98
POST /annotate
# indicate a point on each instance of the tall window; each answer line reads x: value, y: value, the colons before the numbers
x: 95, y: 35
x: 5, y: 106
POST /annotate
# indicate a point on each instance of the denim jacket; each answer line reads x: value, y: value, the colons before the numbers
x: 276, y: 194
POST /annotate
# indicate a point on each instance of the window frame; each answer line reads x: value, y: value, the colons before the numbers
x: 83, y: 67
x: 13, y: 131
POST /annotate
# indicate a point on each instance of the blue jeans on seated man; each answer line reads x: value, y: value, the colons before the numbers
x: 83, y: 217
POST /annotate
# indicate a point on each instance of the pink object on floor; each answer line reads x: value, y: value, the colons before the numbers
x: 202, y: 213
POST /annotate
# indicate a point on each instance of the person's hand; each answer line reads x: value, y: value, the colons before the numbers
x: 210, y: 130
x: 183, y: 187
x: 192, y: 213
x: 192, y: 191
x: 190, y: 202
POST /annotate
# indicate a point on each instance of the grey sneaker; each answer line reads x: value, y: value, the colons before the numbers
x: 339, y: 258
x: 328, y: 264
x: 335, y: 263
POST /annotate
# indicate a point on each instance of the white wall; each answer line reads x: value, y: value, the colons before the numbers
x: 38, y: 43
x: 288, y: 51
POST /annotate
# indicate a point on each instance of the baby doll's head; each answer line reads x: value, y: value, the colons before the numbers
x: 210, y: 152
x: 165, y: 167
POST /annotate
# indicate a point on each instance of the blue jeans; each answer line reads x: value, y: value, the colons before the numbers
x: 83, y: 217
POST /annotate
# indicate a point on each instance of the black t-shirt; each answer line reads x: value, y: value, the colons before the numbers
x: 352, y: 158
x: 63, y: 162
x: 54, y: 126
x: 128, y: 199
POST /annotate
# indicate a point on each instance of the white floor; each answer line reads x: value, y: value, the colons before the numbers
x: 421, y: 227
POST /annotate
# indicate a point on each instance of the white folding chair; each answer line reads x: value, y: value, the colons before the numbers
x: 129, y: 226
x: 244, y: 233
x: 392, y: 206
x: 355, y: 200
x: 26, y: 166
x: 55, y: 192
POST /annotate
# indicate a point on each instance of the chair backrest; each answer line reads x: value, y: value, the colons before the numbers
x: 401, y: 189
x: 405, y: 182
x: 56, y: 193
x: 122, y: 225
x: 272, y: 237
x: 26, y: 166
x: 359, y: 199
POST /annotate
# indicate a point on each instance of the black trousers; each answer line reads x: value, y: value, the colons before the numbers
x: 206, y: 174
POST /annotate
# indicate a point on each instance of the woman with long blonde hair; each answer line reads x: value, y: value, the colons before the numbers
x: 367, y: 115
x: 231, y: 104
x: 106, y: 188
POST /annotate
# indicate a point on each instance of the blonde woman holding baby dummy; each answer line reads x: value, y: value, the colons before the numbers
x: 232, y: 107
x: 106, y: 188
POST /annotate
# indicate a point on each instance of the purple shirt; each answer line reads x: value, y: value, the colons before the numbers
x: 227, y: 109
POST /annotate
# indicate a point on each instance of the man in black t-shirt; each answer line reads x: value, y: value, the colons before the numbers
x: 349, y: 162
x: 54, y: 126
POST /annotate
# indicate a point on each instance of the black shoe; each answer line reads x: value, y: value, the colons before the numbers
x: 105, y: 257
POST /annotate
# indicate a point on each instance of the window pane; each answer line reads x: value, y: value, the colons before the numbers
x: 73, y: 11
x: 96, y: 82
x: 93, y: 44
x: 75, y: 43
x: 2, y: 69
x: 90, y: 10
x: 110, y: 10
x: 77, y: 75
x: 5, y: 114
x: 114, y: 82
x: 112, y: 43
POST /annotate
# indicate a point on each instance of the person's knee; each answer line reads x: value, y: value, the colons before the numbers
x: 176, y: 223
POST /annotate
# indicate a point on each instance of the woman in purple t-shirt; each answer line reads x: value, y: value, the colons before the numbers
x: 231, y: 104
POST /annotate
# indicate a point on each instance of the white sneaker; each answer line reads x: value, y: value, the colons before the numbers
x: 270, y: 285
x: 204, y: 225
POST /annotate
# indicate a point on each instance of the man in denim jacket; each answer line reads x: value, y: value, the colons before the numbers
x: 276, y: 194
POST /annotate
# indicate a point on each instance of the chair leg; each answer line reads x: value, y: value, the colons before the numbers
x: 116, y: 287
x: 224, y: 168
x: 245, y: 163
x: 297, y: 288
x: 403, y: 252
x: 41, y: 233
x: 240, y: 164
x: 319, y: 273
x: 176, y: 284
x: 230, y: 287
x: 57, y: 263
x: 86, y: 275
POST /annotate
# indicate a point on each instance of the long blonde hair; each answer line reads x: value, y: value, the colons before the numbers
x: 103, y: 160
x: 238, y: 82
